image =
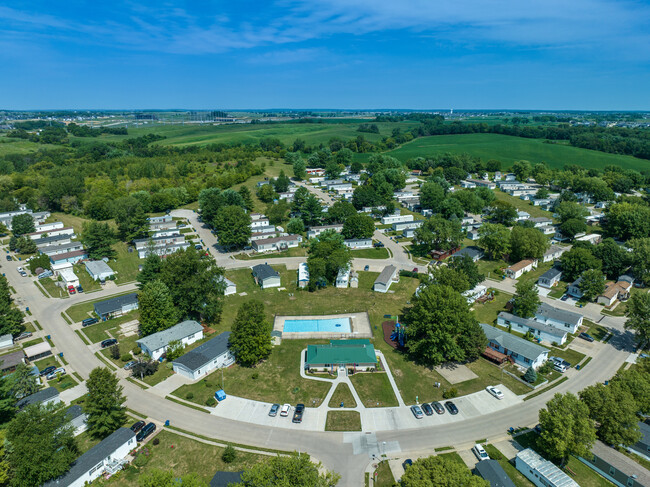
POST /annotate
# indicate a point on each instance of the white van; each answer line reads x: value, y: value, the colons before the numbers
x: 561, y: 368
x: 480, y: 452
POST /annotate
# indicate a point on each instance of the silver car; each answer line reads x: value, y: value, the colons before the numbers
x: 417, y: 411
x: 274, y: 410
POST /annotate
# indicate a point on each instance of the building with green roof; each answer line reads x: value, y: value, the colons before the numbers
x: 356, y: 354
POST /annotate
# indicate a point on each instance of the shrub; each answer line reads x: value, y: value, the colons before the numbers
x: 255, y: 375
x: 115, y: 351
x: 189, y: 396
x: 136, y: 351
x: 530, y: 376
x: 229, y: 454
x: 211, y: 402
x: 156, y: 441
x: 125, y: 357
x: 450, y: 393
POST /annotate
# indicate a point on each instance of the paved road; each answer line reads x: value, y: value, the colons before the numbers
x: 339, y: 452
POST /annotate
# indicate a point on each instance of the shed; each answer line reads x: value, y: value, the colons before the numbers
x: 99, y: 270
x: 491, y: 471
x: 385, y: 279
x: 116, y: 306
x: 6, y: 341
x: 205, y: 358
x: 9, y: 362
x: 266, y: 276
x: 220, y: 395
x: 37, y: 351
x: 186, y: 332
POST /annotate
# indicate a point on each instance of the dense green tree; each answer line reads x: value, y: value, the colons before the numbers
x: 281, y: 183
x: 366, y: 196
x: 299, y: 169
x: 299, y: 199
x: 526, y: 301
x: 39, y: 260
x: 358, y: 226
x: 278, y: 212
x: 233, y: 226
x: 531, y: 375
x: 312, y: 211
x: 431, y: 196
x: 503, y: 212
x: 210, y: 200
x: 640, y: 257
x: 638, y: 316
x: 469, y: 199
x: 295, y: 226
x: 22, y: 224
x: 356, y: 167
x: 592, y: 284
x: 567, y: 428
x: 23, y: 382
x: 40, y: 446
x: 167, y: 478
x: 569, y: 210
x: 333, y: 170
x: 438, y: 233
x: 287, y: 471
x: 522, y: 169
x: 636, y: 383
x: 340, y: 211
x: 446, y: 276
x: 614, y: 410
x: 495, y: 239
x: 7, y: 401
x: 572, y: 227
x: 150, y: 269
x: 98, y: 239
x: 441, y: 328
x: 250, y: 339
x: 614, y: 257
x: 157, y: 310
x: 438, y: 471
x: 627, y: 220
x: 576, y: 261
x: 26, y: 245
x: 451, y: 208
x: 130, y: 218
x: 233, y: 198
x: 104, y: 404
x: 327, y: 254
x: 468, y: 268
x: 527, y: 243
x: 247, y: 198
x: 266, y: 193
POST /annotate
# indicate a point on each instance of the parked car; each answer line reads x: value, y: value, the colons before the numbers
x: 558, y: 360
x: 451, y: 407
x: 586, y: 336
x: 198, y: 246
x: 274, y: 410
x: 437, y: 407
x: 146, y: 431
x: 298, y: 412
x: 54, y: 373
x: 129, y: 365
x: 407, y: 463
x: 366, y: 268
x: 427, y: 409
x: 379, y: 245
x: 495, y: 392
x: 71, y: 289
x: 80, y: 289
x: 480, y: 452
x: 561, y: 368
x: 9, y: 258
x: 137, y: 426
x: 109, y: 342
x: 415, y: 269
x: 89, y: 321
x: 564, y: 298
x: 47, y: 370
x: 20, y: 269
x: 417, y: 411
x: 23, y: 335
x: 285, y: 410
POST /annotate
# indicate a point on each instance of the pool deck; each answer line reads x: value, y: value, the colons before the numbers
x: 359, y: 324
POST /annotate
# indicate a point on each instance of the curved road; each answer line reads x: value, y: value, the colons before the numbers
x: 329, y: 448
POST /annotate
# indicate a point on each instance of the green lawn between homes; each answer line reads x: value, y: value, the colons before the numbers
x: 81, y: 311
x: 52, y: 289
x: 384, y: 475
x: 509, y: 149
x: 343, y: 421
x: 184, y: 456
x: 374, y: 389
x: 98, y: 332
x: 343, y: 395
x: 374, y: 253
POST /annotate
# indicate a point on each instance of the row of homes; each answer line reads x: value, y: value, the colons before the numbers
x: 164, y: 238
x: 618, y: 290
x: 39, y: 217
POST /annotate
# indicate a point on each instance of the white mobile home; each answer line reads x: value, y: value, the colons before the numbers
x: 211, y: 355
x: 385, y: 279
x: 186, y: 332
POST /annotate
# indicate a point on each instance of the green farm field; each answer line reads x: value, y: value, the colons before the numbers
x: 508, y: 149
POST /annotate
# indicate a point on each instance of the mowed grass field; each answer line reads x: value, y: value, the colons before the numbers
x: 509, y: 149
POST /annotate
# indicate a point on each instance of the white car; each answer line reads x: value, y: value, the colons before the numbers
x: 495, y: 392
x: 54, y: 373
x: 285, y: 410
x: 480, y: 452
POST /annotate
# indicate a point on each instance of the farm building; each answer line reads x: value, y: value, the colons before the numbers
x: 205, y: 358
x: 117, y: 306
x: 99, y: 270
x: 385, y: 279
x: 357, y: 354
x: 186, y: 332
x: 266, y: 276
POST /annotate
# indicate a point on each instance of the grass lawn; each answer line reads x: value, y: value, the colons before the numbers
x: 599, y: 332
x: 515, y: 475
x: 81, y: 311
x: 97, y: 332
x: 559, y: 290
x: 76, y: 222
x: 374, y: 253
x: 85, y: 442
x: 52, y: 289
x: 487, y: 312
x: 32, y: 342
x: 292, y: 252
x: 126, y: 265
x: 343, y: 421
x: 522, y: 205
x: 87, y: 283
x: 343, y: 395
x: 384, y: 475
x: 536, y: 273
x: 374, y: 389
x: 184, y: 456
x: 492, y: 268
x: 276, y: 380
x: 571, y: 356
x: 46, y: 362
x: 66, y: 382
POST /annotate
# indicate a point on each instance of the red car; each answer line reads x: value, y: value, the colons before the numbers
x: 71, y: 290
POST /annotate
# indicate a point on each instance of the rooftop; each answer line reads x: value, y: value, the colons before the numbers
x: 513, y: 343
x: 114, y: 304
x: 201, y: 355
x: 546, y: 469
x: 386, y: 275
x: 549, y: 311
x: 38, y: 397
x: 621, y: 462
x: 176, y: 332
x: 535, y: 325
x: 522, y: 264
x: 98, y: 267
x: 264, y: 271
x: 342, y: 352
x: 473, y: 251
x: 491, y: 471
x: 11, y: 359
x: 287, y: 238
x: 552, y: 273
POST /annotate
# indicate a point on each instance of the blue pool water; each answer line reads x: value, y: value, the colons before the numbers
x: 331, y: 325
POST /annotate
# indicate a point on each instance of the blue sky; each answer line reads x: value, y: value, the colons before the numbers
x: 419, y: 54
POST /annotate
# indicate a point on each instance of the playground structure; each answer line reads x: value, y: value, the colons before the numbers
x: 394, y: 332
x: 399, y: 334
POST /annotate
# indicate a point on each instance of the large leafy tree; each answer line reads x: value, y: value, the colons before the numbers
x: 526, y: 301
x: 438, y: 471
x: 527, y: 243
x: 131, y: 218
x: 311, y: 211
x: 104, y: 404
x: 640, y: 257
x: 287, y: 471
x: 441, y: 328
x: 41, y: 445
x: 340, y: 211
x: 157, y: 310
x: 358, y: 226
x: 614, y: 409
x: 572, y: 227
x: 23, y: 382
x: 210, y: 200
x: 503, y: 212
x: 576, y: 261
x: 638, y: 316
x: 250, y: 339
x: 592, y: 284
x: 446, y: 276
x: 150, y: 269
x: 614, y: 257
x: 437, y: 233
x: 11, y: 318
x: 22, y: 224
x: 567, y: 428
x: 327, y: 254
x: 466, y: 266
x: 26, y: 245
x: 627, y: 220
x: 366, y: 196
x: 495, y: 239
x: 98, y: 239
x: 431, y: 196
x: 299, y: 169
x: 233, y: 226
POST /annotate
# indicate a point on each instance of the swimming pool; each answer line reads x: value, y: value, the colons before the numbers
x: 329, y: 325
